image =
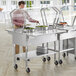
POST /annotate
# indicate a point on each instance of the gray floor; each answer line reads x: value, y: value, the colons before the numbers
x: 38, y: 68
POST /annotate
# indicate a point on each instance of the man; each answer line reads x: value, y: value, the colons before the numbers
x: 19, y: 19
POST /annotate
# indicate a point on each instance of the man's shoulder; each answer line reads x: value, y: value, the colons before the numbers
x: 17, y: 11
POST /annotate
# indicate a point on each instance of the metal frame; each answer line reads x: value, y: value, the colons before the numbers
x: 43, y: 14
x: 45, y: 38
x: 74, y: 21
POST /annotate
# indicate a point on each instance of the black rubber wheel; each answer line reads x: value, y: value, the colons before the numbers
x: 60, y: 61
x: 75, y: 58
x: 48, y: 58
x: 28, y: 59
x: 16, y: 66
x: 28, y: 70
x: 64, y: 55
x: 56, y: 62
x: 18, y: 58
x: 44, y: 59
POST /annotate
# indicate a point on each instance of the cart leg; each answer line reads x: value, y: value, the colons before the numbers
x: 59, y: 48
x: 55, y: 50
x: 26, y: 55
x: 26, y: 61
x: 15, y: 58
x: 48, y: 57
x: 47, y: 48
x: 14, y: 55
x: 64, y: 54
x: 55, y: 61
x: 67, y: 46
x: 75, y: 48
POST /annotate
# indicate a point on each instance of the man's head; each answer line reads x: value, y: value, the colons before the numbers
x: 21, y: 4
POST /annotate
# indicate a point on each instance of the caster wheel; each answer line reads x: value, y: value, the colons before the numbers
x: 60, y: 61
x: 16, y: 66
x: 28, y: 59
x: 75, y: 58
x: 28, y: 70
x: 44, y: 59
x: 56, y: 62
x: 64, y: 55
x: 48, y: 58
x: 18, y: 58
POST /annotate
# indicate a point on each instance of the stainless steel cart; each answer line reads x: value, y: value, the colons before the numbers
x: 37, y: 38
x: 28, y: 39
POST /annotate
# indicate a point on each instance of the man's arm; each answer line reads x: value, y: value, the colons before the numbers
x: 30, y: 19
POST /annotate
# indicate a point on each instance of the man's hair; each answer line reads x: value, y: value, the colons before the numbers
x: 21, y: 2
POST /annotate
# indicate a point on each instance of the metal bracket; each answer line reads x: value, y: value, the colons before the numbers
x: 74, y: 21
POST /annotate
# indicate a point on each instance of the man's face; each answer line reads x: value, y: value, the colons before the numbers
x: 22, y: 6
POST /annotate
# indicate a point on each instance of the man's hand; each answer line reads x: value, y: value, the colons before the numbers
x: 37, y: 21
x: 34, y: 21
